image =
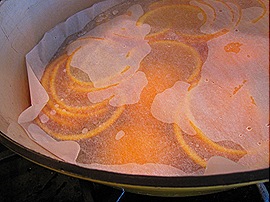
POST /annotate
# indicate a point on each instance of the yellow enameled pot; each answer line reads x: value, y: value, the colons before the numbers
x: 23, y: 23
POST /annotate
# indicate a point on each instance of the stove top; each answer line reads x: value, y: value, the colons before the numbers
x: 22, y: 180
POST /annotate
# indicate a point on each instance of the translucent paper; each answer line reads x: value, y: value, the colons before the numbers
x: 167, y: 88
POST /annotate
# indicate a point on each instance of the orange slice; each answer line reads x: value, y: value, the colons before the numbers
x: 222, y: 150
x: 182, y: 18
x: 83, y: 84
x: 56, y: 109
x: 75, y: 73
x: 89, y: 134
x: 56, y: 117
x: 242, y: 4
x: 214, y: 145
x: 231, y: 10
x: 80, y: 79
x: 169, y: 62
x: 189, y: 151
x: 211, y: 7
x: 203, y: 37
x: 69, y: 119
x: 63, y: 117
x: 198, y: 35
x: 81, y: 109
x: 46, y: 74
x: 263, y: 14
x: 159, y: 4
x: 49, y: 82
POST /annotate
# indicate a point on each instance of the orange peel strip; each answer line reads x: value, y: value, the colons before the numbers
x: 263, y: 14
x: 189, y: 151
x: 89, y: 85
x: 157, y: 34
x: 214, y: 145
x: 196, y: 37
x: 196, y: 71
x: 46, y: 75
x: 81, y: 89
x: 65, y: 106
x: 239, y: 13
x: 46, y: 83
x: 91, y: 37
x: 64, y: 112
x: 66, y: 122
x: 210, y: 6
x: 89, y: 134
x: 85, y: 86
x: 213, y: 35
x: 47, y: 112
x: 161, y: 3
x: 203, y: 36
x: 143, y: 18
x: 231, y: 10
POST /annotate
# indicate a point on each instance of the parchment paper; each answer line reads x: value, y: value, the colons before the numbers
x: 36, y: 61
x: 68, y: 151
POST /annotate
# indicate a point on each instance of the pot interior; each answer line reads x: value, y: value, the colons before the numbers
x: 23, y: 23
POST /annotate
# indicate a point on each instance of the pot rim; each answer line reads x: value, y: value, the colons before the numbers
x: 134, y: 180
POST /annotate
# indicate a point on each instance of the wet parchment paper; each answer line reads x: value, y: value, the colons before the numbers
x: 68, y: 151
x: 36, y: 61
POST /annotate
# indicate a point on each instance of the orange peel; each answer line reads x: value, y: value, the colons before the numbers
x: 192, y: 52
x: 202, y: 36
x: 161, y: 3
x: 167, y: 17
x: 263, y: 14
x: 67, y: 118
x: 231, y: 10
x: 199, y: 134
x: 163, y: 18
x: 240, y: 13
x: 117, y: 113
x: 88, y: 85
x: 65, y: 106
x: 67, y: 115
x: 83, y: 86
x: 188, y: 150
x: 210, y: 6
x: 214, y: 145
x: 193, y: 155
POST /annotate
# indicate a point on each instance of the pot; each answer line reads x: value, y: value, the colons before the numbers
x: 23, y: 24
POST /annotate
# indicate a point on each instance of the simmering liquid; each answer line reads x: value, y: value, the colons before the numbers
x: 172, y: 82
